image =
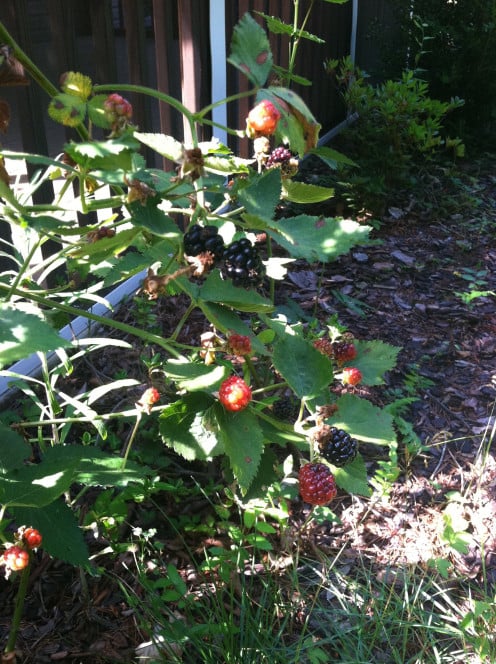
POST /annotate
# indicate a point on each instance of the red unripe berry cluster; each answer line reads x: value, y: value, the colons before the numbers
x: 317, y: 484
x: 239, y: 344
x: 262, y: 119
x: 234, y: 394
x: 116, y: 107
x: 32, y: 538
x: 150, y: 396
x: 16, y: 559
x: 351, y: 376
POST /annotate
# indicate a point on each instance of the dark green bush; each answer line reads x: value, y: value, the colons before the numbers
x: 456, y: 41
x: 399, y: 130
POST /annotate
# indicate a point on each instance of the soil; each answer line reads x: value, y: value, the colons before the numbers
x: 403, y: 289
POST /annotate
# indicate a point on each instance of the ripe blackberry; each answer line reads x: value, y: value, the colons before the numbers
x: 317, y: 485
x: 200, y: 239
x: 286, y: 409
x: 336, y: 446
x: 243, y: 264
x: 278, y: 156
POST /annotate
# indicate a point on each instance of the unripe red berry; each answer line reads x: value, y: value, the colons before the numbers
x: 317, y: 484
x: 262, y: 119
x: 16, y: 559
x: 116, y: 107
x: 150, y: 396
x: 234, y: 394
x: 239, y: 344
x: 351, y: 376
x: 32, y: 538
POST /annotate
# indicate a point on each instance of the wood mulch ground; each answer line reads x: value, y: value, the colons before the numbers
x: 403, y: 290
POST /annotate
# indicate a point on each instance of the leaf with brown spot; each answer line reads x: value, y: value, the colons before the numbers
x: 250, y: 50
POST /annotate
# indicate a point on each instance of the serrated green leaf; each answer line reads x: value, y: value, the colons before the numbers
x: 262, y: 195
x: 305, y: 369
x: 353, y: 477
x: 250, y: 50
x: 188, y: 426
x: 297, y: 126
x: 96, y: 468
x: 13, y: 450
x: 300, y: 192
x: 62, y: 537
x: 167, y: 146
x: 318, y: 238
x: 278, y: 27
x: 154, y: 219
x: 363, y: 420
x: 23, y: 333
x: 40, y: 484
x: 96, y: 111
x: 109, y: 246
x: 216, y: 289
x: 227, y: 165
x: 115, y: 153
x: 373, y: 359
x: 194, y: 377
x: 332, y: 157
x: 243, y: 443
x: 226, y: 320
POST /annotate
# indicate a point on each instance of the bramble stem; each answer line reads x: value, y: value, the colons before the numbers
x: 19, y: 605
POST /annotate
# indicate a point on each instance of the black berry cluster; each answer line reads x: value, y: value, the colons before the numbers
x: 201, y: 239
x: 278, y: 156
x: 337, y: 446
x: 286, y: 409
x: 242, y: 264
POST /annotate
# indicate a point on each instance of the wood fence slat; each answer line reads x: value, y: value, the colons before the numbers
x: 103, y: 41
x: 190, y: 62
x: 163, y: 36
x: 134, y: 25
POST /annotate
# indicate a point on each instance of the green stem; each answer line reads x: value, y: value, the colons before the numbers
x: 223, y: 102
x: 131, y: 440
x: 74, y: 420
x: 22, y: 270
x: 253, y: 371
x: 184, y: 318
x: 102, y: 320
x: 19, y: 605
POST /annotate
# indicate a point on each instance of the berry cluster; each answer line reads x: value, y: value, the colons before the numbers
x: 118, y: 113
x: 234, y: 394
x: 317, y: 484
x: 116, y: 107
x: 343, y: 351
x: 239, y: 344
x: 242, y: 264
x: 202, y: 239
x: 262, y: 120
x: 351, y: 376
x: 286, y: 409
x: 335, y: 445
x: 16, y: 557
x: 278, y: 156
